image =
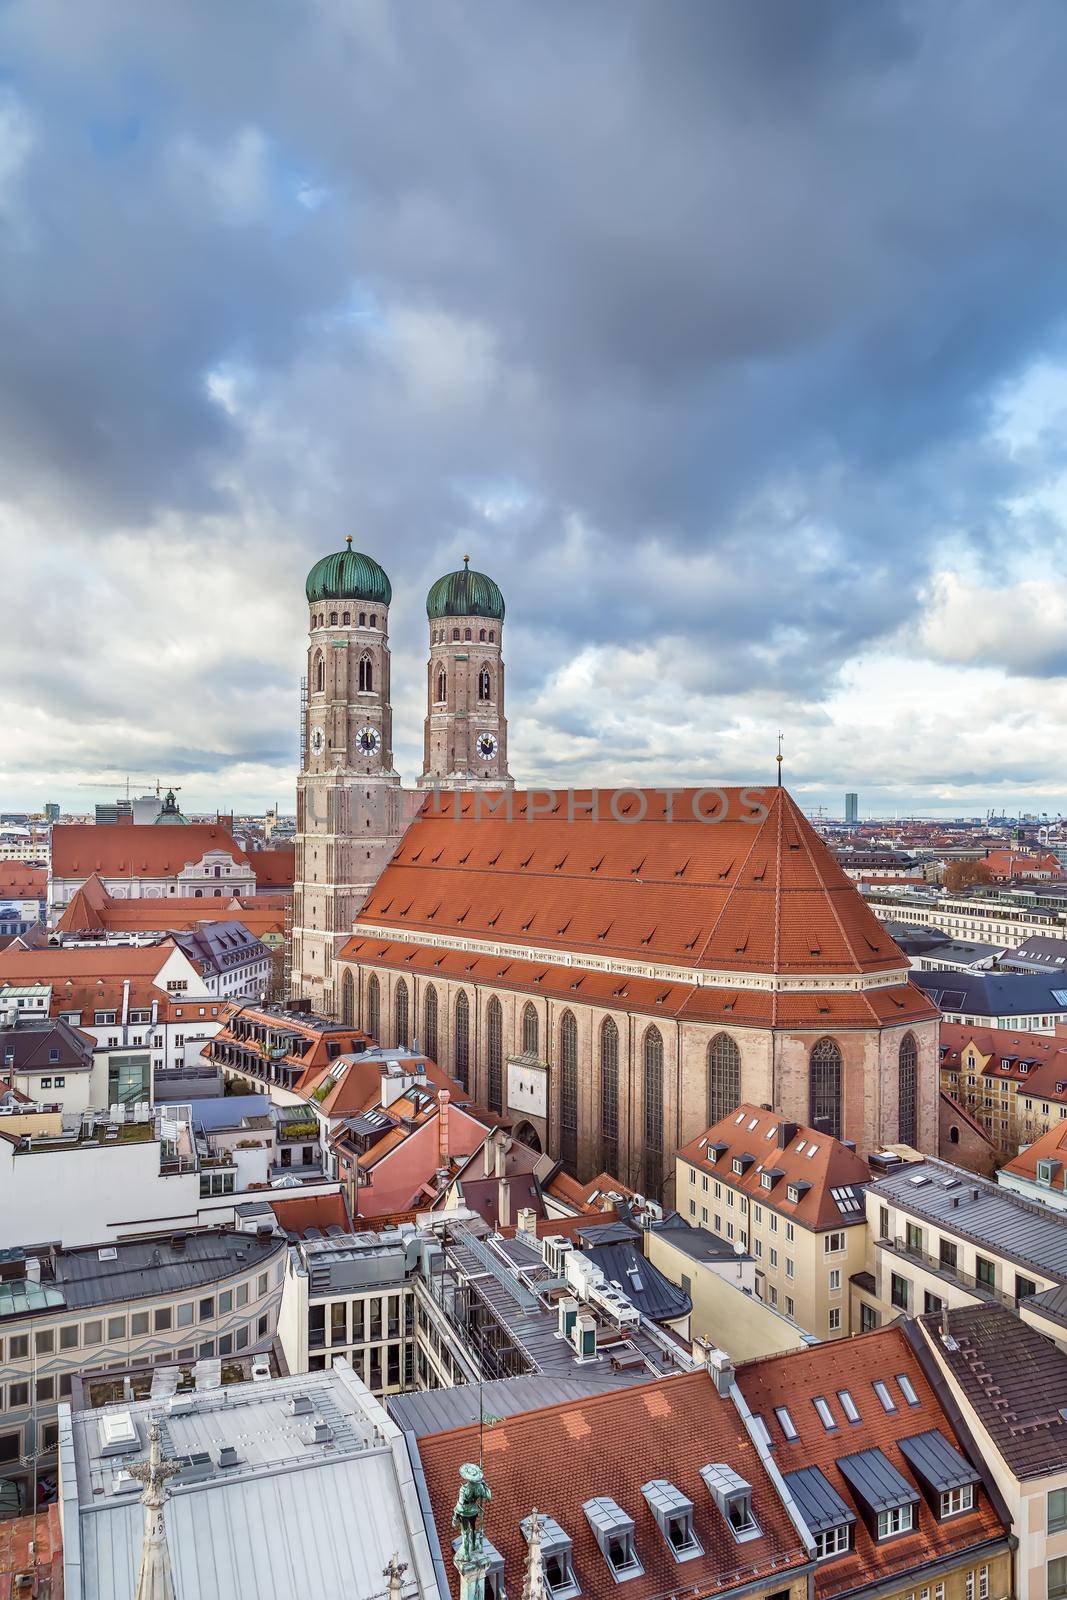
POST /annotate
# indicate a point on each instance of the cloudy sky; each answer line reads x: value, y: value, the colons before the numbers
x: 729, y: 337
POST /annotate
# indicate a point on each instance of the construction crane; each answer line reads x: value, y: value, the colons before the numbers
x: 102, y: 783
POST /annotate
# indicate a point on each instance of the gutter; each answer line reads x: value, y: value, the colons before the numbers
x: 423, y: 1493
x: 770, y: 1466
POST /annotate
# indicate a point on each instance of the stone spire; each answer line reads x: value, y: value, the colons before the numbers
x: 154, y: 1581
x: 394, y: 1576
x: 471, y: 1558
x: 534, y: 1586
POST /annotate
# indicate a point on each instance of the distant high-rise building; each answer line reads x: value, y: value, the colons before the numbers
x: 51, y: 811
x: 852, y: 810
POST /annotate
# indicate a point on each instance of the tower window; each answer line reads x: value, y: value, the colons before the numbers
x: 373, y: 619
x: 366, y: 675
x: 455, y: 633
x: 320, y: 675
x: 347, y: 618
x: 484, y: 685
x: 363, y: 619
x: 441, y: 685
x: 481, y: 635
x: 466, y: 633
x: 492, y: 636
x: 333, y: 619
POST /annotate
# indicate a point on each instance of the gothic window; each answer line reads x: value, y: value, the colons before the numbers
x: 366, y: 675
x: 653, y: 1112
x: 484, y: 684
x: 347, y: 619
x: 492, y: 636
x: 609, y: 1098
x: 824, y: 1079
x: 333, y: 619
x: 455, y: 633
x: 430, y: 1030
x: 373, y: 619
x: 568, y: 1091
x: 374, y: 1008
x: 348, y: 1000
x: 530, y: 1029
x: 724, y: 1077
x: 442, y: 684
x: 494, y: 1029
x: 462, y: 1040
x: 481, y: 635
x: 909, y: 1063
x: 320, y: 674
x: 466, y: 633
x: 363, y: 619
x: 400, y: 1014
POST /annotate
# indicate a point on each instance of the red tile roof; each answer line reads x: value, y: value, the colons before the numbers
x: 274, y: 869
x: 1044, y: 1053
x: 45, y: 1534
x: 809, y: 1158
x: 21, y: 881
x: 92, y: 909
x: 795, y: 1380
x: 752, y: 893
x: 322, y: 1211
x: 611, y: 1444
x: 1051, y: 1145
x: 81, y: 848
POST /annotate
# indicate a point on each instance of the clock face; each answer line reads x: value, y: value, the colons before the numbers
x: 368, y: 741
x: 487, y: 746
x: 318, y: 741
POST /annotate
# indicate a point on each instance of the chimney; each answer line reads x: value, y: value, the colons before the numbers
x: 787, y: 1132
x: 503, y: 1202
x: 498, y: 1153
x: 442, y: 1128
x: 722, y: 1370
x: 527, y: 1221
x: 33, y: 1269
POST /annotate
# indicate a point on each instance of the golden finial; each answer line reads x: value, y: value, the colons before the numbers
x: 779, y: 758
x: 348, y: 540
x: 466, y: 561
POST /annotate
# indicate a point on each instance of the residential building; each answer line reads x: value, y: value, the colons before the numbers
x: 285, y: 1485
x: 608, y: 1017
x: 176, y: 1298
x: 199, y: 861
x: 1038, y: 1171
x: 893, y: 1492
x: 992, y: 917
x: 720, y: 1281
x: 790, y: 1197
x: 233, y: 963
x: 653, y: 1491
x: 1010, y: 1386
x: 1013, y: 1082
x: 1032, y: 1002
x: 47, y: 1059
x: 23, y: 897
x: 943, y: 1237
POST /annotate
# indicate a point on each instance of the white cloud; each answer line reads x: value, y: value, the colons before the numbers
x: 17, y: 138
x: 231, y: 181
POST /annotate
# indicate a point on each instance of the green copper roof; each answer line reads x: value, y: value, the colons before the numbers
x: 348, y: 576
x: 465, y: 594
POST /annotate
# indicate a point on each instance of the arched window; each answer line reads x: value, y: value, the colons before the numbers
x: 442, y: 685
x: 320, y: 674
x: 466, y: 633
x: 492, y: 636
x: 568, y: 1091
x: 484, y: 684
x: 363, y: 619
x: 347, y: 619
x: 400, y: 1015
x: 366, y: 675
x: 724, y: 1077
x: 348, y: 1000
x: 374, y: 1008
x: 333, y: 619
x: 653, y: 1112
x: 907, y: 1130
x: 609, y: 1098
x: 481, y: 635
x: 430, y: 1029
x: 494, y: 1039
x: 374, y: 619
x: 531, y: 1032
x: 824, y: 1088
x: 953, y: 1134
x: 461, y: 1036
x: 455, y: 633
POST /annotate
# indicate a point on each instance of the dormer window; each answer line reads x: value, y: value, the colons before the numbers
x: 733, y: 1496
x: 614, y: 1533
x: 898, y: 1519
x: 793, y: 1193
x: 674, y: 1517
x: 956, y: 1500
x: 556, y: 1555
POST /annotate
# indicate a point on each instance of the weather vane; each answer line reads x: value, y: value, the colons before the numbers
x: 779, y: 758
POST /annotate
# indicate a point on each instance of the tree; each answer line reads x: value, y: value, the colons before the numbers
x: 962, y: 874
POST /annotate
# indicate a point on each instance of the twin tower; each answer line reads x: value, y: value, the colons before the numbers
x: 351, y: 808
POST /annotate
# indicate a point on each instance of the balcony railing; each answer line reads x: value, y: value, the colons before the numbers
x: 950, y: 1274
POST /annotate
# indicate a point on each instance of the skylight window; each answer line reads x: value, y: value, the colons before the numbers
x: 888, y: 1403
x: 848, y: 1405
x: 812, y: 1150
x: 786, y: 1423
x: 753, y: 1124
x: 907, y: 1389
x: 739, y: 1119
x: 800, y: 1147
x: 763, y: 1430
x: 826, y: 1416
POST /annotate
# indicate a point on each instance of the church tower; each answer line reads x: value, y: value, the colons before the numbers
x: 466, y: 738
x: 348, y: 802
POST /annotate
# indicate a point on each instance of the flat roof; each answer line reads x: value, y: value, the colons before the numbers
x: 148, y: 1268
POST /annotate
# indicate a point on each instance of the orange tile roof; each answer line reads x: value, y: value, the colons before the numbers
x: 757, y: 1008
x: 21, y: 881
x: 1005, y: 1051
x: 315, y: 1211
x: 81, y: 848
x: 611, y: 1444
x: 795, y: 1380
x: 1050, y: 1145
x: 568, y: 1191
x: 275, y: 868
x: 743, y: 895
x: 750, y: 1131
x: 91, y: 908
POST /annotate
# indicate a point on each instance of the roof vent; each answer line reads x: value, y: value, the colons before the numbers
x: 299, y: 1405
x: 322, y: 1433
x: 228, y: 1456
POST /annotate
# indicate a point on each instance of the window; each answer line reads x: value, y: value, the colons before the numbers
x: 907, y: 1074
x: 374, y: 1010
x: 1055, y: 1584
x: 207, y: 1308
x: 907, y: 1389
x: 983, y: 1583
x: 932, y: 1302
x: 985, y: 1271
x: 92, y: 1333
x: 835, y: 1280
x: 953, y: 1501
x: 948, y: 1255
x: 494, y: 1027
x: 461, y: 1046
x: 880, y: 1389
x: 1056, y: 1511
x: 653, y: 1085
x: 68, y: 1336
x: 899, y: 1292
x: 883, y: 1222
x: 164, y: 1319
x: 485, y: 688
x: 609, y: 1097
x: 724, y: 1077
x: 568, y: 1090
x: 184, y: 1315
x: 848, y: 1405
x: 739, y: 1515
x: 824, y: 1088
x: 835, y: 1319
x: 785, y: 1422
x: 44, y: 1341
x: 225, y: 1302
x: 825, y: 1415
x: 400, y: 1015
x: 366, y: 675
x: 915, y: 1238
x: 898, y: 1519
x: 139, y: 1324
x: 320, y: 673
x: 1024, y: 1287
x: 833, y: 1542
x: 833, y: 1243
x: 789, y: 1306
x: 18, y: 1394
x: 531, y: 1033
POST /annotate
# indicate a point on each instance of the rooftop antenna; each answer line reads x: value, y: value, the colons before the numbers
x: 779, y: 758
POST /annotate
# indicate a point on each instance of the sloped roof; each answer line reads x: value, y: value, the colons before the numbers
x: 758, y: 892
x: 21, y: 881
x: 322, y: 1211
x: 91, y: 908
x: 1035, y: 1061
x: 1051, y: 1145
x: 276, y: 868
x: 817, y: 1163
x: 79, y: 849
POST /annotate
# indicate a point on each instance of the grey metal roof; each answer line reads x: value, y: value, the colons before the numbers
x: 994, y: 994
x: 872, y: 1476
x: 653, y: 1294
x: 936, y: 1462
x: 227, y: 1111
x: 820, y: 1504
x: 149, y: 1268
x: 422, y: 1412
x: 1003, y: 1222
x: 697, y: 1243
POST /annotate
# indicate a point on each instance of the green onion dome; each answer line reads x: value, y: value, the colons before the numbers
x: 465, y: 594
x: 348, y: 575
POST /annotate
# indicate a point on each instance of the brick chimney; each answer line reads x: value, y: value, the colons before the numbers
x: 442, y: 1129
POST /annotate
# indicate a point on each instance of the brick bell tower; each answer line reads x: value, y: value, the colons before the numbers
x: 348, y: 795
x: 466, y: 737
